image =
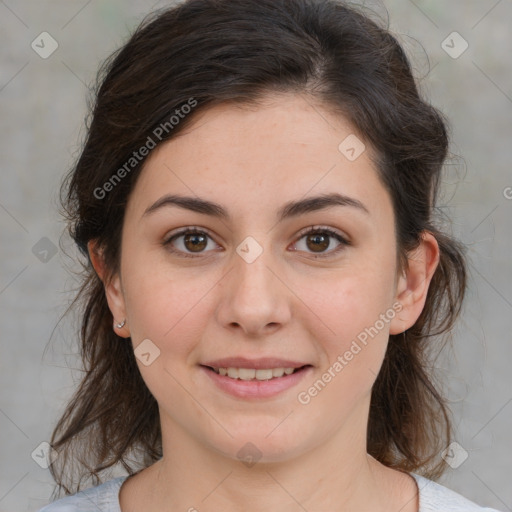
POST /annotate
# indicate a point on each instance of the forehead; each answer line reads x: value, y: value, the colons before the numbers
x: 288, y: 147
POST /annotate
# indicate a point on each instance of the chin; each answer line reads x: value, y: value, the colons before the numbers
x: 263, y: 441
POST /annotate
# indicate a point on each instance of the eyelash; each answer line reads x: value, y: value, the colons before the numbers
x: 308, y: 231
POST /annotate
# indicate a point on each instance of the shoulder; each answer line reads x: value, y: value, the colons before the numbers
x: 435, y: 497
x: 102, y: 498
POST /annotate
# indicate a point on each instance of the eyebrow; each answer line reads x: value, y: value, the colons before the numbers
x: 289, y: 210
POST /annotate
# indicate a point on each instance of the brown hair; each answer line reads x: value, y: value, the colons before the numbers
x: 215, y: 51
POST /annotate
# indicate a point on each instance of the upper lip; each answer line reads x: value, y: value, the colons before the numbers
x: 260, y: 363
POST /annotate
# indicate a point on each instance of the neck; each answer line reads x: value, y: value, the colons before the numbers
x: 335, y: 474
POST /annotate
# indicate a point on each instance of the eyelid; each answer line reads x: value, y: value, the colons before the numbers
x: 326, y: 229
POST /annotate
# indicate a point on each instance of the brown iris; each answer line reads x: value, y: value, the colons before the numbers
x: 198, y: 241
x: 320, y: 242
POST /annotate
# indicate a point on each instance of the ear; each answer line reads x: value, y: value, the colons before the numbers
x: 113, y: 289
x: 413, y: 283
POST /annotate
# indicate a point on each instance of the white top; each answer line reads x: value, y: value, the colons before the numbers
x: 105, y: 498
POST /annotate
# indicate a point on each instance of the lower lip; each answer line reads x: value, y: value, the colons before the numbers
x: 256, y: 388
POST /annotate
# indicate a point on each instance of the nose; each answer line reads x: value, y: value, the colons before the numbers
x: 254, y: 298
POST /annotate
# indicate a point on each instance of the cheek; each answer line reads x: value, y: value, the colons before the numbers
x: 166, y: 306
x: 171, y: 312
x: 353, y: 352
x: 354, y: 300
x: 353, y: 314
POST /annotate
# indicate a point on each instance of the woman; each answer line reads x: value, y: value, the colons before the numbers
x: 264, y: 275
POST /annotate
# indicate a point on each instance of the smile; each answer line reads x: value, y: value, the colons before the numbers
x: 255, y: 383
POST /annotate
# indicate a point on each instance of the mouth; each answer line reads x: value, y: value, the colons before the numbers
x: 264, y: 382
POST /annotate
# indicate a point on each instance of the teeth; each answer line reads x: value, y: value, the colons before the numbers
x: 263, y: 374
x: 233, y: 373
x: 246, y: 373
x: 251, y: 373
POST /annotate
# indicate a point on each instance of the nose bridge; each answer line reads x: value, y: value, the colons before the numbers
x: 253, y: 279
x: 254, y: 297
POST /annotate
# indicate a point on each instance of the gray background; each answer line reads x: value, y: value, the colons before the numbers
x: 42, y: 105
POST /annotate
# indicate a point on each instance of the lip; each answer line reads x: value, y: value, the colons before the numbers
x: 256, y: 389
x: 258, y: 364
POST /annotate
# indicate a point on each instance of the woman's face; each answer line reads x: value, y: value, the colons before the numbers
x: 252, y: 289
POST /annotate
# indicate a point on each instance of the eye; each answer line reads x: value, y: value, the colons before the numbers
x: 189, y: 241
x: 318, y: 239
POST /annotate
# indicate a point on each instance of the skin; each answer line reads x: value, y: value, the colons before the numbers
x: 287, y: 303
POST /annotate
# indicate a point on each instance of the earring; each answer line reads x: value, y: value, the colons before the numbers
x: 119, y: 326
